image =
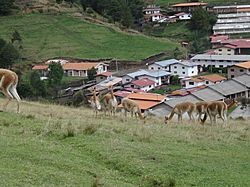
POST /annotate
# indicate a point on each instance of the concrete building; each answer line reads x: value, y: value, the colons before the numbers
x: 103, y: 76
x: 238, y: 69
x: 219, y: 60
x: 184, y: 69
x: 163, y: 65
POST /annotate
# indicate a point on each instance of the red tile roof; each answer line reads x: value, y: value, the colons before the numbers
x: 243, y: 65
x: 213, y: 77
x: 79, y: 66
x: 146, y: 96
x: 143, y: 82
x: 218, y: 38
x: 122, y: 93
x: 189, y: 4
x: 106, y: 74
x: 196, y: 79
x: 239, y: 43
x: 40, y: 67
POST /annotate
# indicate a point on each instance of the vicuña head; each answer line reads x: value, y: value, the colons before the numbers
x: 8, y: 84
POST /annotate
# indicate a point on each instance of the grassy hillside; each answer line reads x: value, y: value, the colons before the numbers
x: 46, y: 36
x: 48, y: 145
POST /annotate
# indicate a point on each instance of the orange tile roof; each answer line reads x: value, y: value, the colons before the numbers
x: 189, y: 4
x: 144, y: 105
x: 40, y: 67
x: 243, y: 65
x: 196, y: 79
x: 79, y: 66
x: 147, y: 96
x: 213, y: 77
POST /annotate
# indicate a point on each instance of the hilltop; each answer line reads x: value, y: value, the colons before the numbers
x: 46, y: 36
x: 49, y: 145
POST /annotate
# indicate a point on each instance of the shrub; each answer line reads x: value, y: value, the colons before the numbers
x: 158, y: 181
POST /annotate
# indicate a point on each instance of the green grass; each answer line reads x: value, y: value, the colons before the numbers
x: 49, y: 145
x: 46, y: 36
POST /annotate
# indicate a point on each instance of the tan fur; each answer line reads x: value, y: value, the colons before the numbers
x: 180, y: 109
x: 201, y: 108
x: 94, y: 101
x: 216, y: 108
x: 110, y: 102
x: 131, y: 106
x: 8, y: 84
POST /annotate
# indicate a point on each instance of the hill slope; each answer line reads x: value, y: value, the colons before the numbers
x: 46, y: 36
x: 55, y: 145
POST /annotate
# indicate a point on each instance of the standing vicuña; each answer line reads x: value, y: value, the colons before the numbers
x: 216, y: 108
x: 110, y: 102
x: 180, y: 109
x: 201, y: 108
x: 94, y: 101
x: 8, y: 84
x: 131, y: 106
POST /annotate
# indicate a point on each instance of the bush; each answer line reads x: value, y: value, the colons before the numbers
x: 159, y: 181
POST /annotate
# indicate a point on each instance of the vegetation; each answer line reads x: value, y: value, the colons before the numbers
x: 5, y: 6
x: 49, y: 36
x: 48, y: 145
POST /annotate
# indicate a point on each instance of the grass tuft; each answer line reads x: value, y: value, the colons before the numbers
x: 159, y: 181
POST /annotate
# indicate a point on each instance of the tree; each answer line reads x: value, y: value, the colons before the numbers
x: 200, y: 20
x: 5, y: 6
x: 16, y: 37
x: 126, y: 15
x: 38, y: 86
x: 8, y: 55
x: 55, y: 74
x: 91, y: 73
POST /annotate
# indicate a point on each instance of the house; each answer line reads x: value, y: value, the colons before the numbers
x: 191, y: 82
x: 80, y: 69
x: 225, y: 50
x: 157, y: 76
x: 206, y: 80
x: 240, y: 46
x: 103, y: 76
x: 183, y: 16
x: 238, y: 69
x: 245, y: 81
x: 61, y: 61
x: 42, y: 69
x: 217, y: 39
x: 184, y: 69
x: 219, y: 61
x: 188, y: 7
x: 163, y: 65
x: 152, y: 13
x: 144, y: 84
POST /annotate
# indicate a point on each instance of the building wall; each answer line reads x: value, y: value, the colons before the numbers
x: 235, y: 71
x: 100, y: 78
x: 215, y: 63
x: 157, y: 67
x: 192, y: 84
x: 155, y: 79
x: 126, y: 79
x: 185, y: 17
x: 224, y: 51
x: 184, y: 71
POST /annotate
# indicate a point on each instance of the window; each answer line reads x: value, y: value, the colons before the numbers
x: 132, y: 86
x: 175, y: 67
x: 191, y: 83
x: 150, y: 86
x: 241, y: 70
x: 207, y: 82
x: 192, y: 71
x: 232, y: 70
x: 228, y: 49
x: 152, y: 67
x: 159, y: 68
x: 183, y: 67
x: 221, y: 66
x: 101, y: 77
x: 220, y: 49
x: 183, y: 72
x: 232, y: 76
x: 127, y: 80
x: 175, y: 71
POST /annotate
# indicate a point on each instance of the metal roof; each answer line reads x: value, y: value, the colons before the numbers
x: 175, y: 101
x: 243, y: 79
x: 228, y: 87
x: 236, y: 15
x: 151, y: 73
x: 231, y: 26
x: 234, y: 20
x: 165, y: 63
x: 222, y: 57
x: 207, y: 94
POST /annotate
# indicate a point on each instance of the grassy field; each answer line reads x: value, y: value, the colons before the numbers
x: 49, y: 145
x: 210, y: 2
x: 46, y: 36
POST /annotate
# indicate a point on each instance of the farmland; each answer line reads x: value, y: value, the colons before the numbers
x: 51, y: 145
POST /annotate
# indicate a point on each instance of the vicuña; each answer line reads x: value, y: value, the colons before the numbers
x: 216, y: 108
x: 110, y: 102
x: 94, y: 101
x: 132, y: 107
x: 8, y: 84
x: 180, y: 109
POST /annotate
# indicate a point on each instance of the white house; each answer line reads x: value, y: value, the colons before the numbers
x: 163, y: 65
x: 152, y: 13
x: 144, y: 84
x: 184, y: 69
x: 191, y: 82
x: 80, y: 69
x: 183, y: 16
x: 157, y: 76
